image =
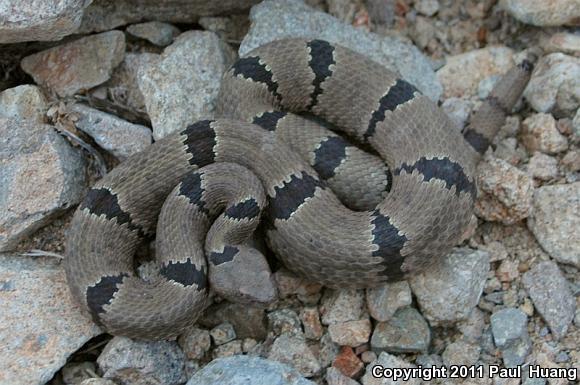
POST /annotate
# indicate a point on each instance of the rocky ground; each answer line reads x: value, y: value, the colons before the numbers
x: 102, y: 85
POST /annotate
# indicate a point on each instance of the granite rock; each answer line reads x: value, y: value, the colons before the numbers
x: 350, y: 333
x: 539, y: 133
x: 449, y: 292
x: 156, y: 32
x: 462, y: 73
x: 406, y: 332
x: 103, y: 15
x: 293, y: 350
x: 551, y: 296
x: 72, y: 67
x: 555, y: 221
x: 544, y: 13
x: 181, y: 86
x: 543, y: 167
x: 504, y: 192
x: 383, y: 301
x: 341, y: 305
x: 23, y: 102
x: 387, y: 360
x: 41, y: 176
x: 555, y: 85
x: 39, y: 19
x: 36, y: 343
x: 510, y: 333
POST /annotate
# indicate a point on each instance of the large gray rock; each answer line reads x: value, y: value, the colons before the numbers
x: 555, y: 221
x: 448, y: 292
x: 274, y: 19
x: 23, y: 102
x: 79, y: 65
x: 41, y: 325
x: 551, y: 296
x: 41, y: 176
x: 544, y: 13
x: 555, y: 85
x: 510, y: 333
x: 182, y: 85
x: 161, y: 361
x: 103, y: 15
x: 119, y: 137
x: 243, y: 370
x: 39, y: 19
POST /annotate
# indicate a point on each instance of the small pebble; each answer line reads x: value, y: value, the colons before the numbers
x: 223, y: 333
x: 311, y: 322
x: 284, y: 321
x: 539, y: 133
x: 348, y: 363
x: 406, y: 332
x: 195, y: 343
x: 228, y: 349
x: 351, y: 333
x: 341, y: 306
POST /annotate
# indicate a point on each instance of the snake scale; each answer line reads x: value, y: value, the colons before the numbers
x: 334, y: 213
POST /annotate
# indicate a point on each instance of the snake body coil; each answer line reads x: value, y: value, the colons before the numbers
x: 334, y: 213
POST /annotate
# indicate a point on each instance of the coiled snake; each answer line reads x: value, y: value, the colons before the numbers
x: 334, y: 213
